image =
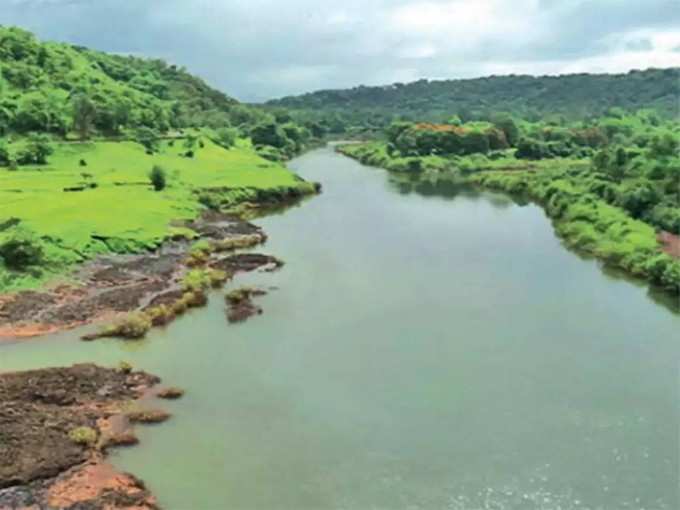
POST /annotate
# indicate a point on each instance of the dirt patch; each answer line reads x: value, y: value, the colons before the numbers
x: 55, y: 425
x: 670, y: 243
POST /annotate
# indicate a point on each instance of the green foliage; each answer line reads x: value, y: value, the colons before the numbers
x: 132, y: 327
x: 125, y: 367
x: 4, y: 154
x: 226, y: 137
x: 84, y: 114
x: 21, y: 250
x: 158, y: 177
x: 147, y: 138
x: 36, y: 151
x: 51, y: 87
x: 86, y: 436
x: 574, y: 97
x: 269, y: 133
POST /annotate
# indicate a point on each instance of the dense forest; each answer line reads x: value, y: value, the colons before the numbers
x: 571, y: 97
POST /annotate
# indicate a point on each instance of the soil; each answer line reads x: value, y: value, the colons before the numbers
x: 42, y: 464
x: 110, y: 286
x: 671, y: 243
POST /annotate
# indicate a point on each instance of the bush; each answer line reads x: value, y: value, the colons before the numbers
x: 226, y: 137
x: 21, y: 250
x: 148, y: 138
x: 85, y: 436
x: 157, y: 176
x: 133, y: 326
x: 36, y: 151
x: 125, y: 367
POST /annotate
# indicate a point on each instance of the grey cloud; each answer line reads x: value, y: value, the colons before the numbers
x: 266, y: 48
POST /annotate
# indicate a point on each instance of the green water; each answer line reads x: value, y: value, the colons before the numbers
x: 424, y: 349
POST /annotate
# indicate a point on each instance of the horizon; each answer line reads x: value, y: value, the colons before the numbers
x: 264, y: 51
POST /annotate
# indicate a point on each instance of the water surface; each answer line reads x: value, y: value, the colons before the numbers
x: 425, y: 347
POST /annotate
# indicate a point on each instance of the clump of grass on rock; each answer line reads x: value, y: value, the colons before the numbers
x: 85, y: 436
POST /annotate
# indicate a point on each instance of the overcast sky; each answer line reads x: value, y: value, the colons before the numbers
x: 260, y: 49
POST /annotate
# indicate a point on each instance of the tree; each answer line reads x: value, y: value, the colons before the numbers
x: 36, y: 151
x: 157, y: 176
x: 268, y: 133
x: 505, y: 123
x: 226, y: 137
x: 662, y: 146
x: 637, y: 197
x: 4, y: 154
x: 84, y: 114
x: 148, y: 138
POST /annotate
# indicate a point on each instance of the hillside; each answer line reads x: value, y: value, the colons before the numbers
x: 39, y: 81
x: 110, y: 154
x: 574, y: 96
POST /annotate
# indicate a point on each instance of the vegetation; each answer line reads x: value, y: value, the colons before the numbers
x: 158, y: 178
x: 86, y: 136
x: 610, y: 184
x: 86, y: 436
x: 132, y: 327
x: 571, y: 97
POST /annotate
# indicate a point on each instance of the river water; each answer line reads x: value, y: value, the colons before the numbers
x: 424, y: 347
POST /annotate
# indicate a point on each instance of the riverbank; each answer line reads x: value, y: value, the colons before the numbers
x: 564, y: 188
x: 57, y: 425
x: 112, y: 287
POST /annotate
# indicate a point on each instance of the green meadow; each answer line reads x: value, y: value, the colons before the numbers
x: 96, y: 197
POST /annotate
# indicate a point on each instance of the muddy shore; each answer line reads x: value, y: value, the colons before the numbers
x: 56, y: 426
x: 110, y: 286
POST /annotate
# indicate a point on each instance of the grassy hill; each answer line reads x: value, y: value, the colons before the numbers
x: 575, y: 96
x: 81, y: 132
x: 39, y: 80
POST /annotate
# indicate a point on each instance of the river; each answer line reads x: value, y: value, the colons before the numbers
x: 423, y: 348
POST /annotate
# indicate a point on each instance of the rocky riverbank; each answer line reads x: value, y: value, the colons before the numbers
x: 56, y: 426
x: 113, y: 286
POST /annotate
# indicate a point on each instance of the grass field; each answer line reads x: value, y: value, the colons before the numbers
x: 122, y: 213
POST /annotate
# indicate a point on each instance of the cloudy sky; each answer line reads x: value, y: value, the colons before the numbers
x: 260, y: 49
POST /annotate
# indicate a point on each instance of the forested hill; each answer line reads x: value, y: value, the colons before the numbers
x: 574, y: 96
x: 40, y: 81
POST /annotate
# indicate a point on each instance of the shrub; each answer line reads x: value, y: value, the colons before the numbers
x: 21, y: 250
x: 83, y: 162
x: 133, y: 326
x: 85, y: 436
x: 158, y: 178
x: 160, y: 315
x: 226, y: 137
x: 202, y: 279
x: 125, y: 367
x: 36, y: 151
